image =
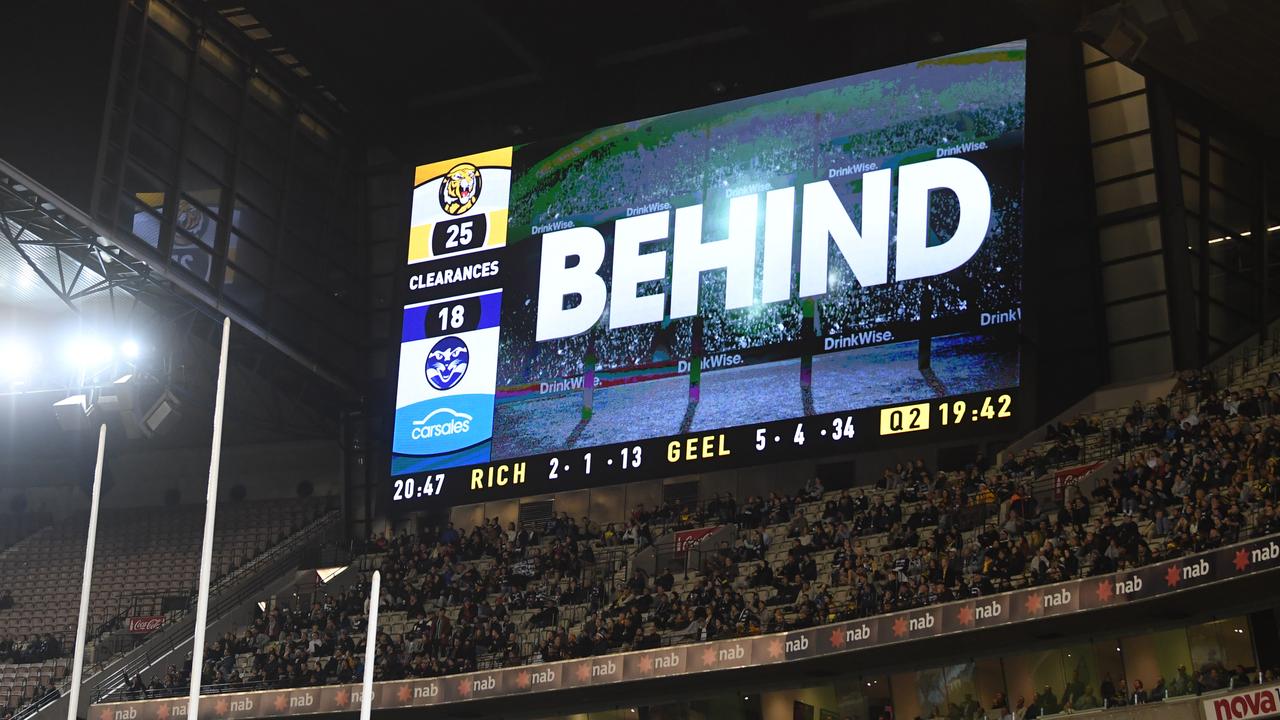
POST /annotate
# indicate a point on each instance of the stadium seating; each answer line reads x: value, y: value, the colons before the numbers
x: 142, y: 556
x: 457, y: 601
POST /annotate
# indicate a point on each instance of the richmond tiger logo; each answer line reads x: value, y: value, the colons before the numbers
x: 460, y: 188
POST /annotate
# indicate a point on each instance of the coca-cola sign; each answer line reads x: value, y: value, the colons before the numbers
x: 687, y: 540
x: 144, y: 623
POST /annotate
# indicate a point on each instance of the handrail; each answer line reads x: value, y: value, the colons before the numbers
x: 169, y: 639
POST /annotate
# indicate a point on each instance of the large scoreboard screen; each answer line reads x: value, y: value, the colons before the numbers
x: 803, y: 273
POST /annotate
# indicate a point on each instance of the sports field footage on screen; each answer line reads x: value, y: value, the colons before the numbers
x: 653, y: 297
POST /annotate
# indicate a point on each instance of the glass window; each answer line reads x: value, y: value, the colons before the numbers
x: 264, y: 159
x: 1152, y: 660
x: 196, y: 223
x: 217, y: 89
x: 253, y: 223
x: 192, y: 258
x: 256, y: 188
x: 1118, y: 118
x: 1131, y: 238
x: 1224, y: 645
x: 248, y: 256
x: 244, y: 291
x: 1035, y: 679
x: 1126, y: 194
x: 1191, y: 193
x: 143, y: 218
x: 921, y: 693
x: 209, y: 155
x: 219, y: 59
x: 157, y: 120
x: 200, y: 187
x: 219, y: 126
x: 168, y: 50
x: 161, y: 85
x: 269, y: 127
x: 166, y: 17
x: 1132, y: 278
x: 1111, y: 79
x: 1123, y: 157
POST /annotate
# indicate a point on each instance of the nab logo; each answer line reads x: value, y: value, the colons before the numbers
x: 603, y: 669
x: 799, y: 644
x: 666, y: 662
x: 987, y: 612
x: 1127, y: 587
x: 921, y: 623
x: 858, y: 634
x: 460, y: 188
x: 488, y: 683
x: 447, y: 363
x: 426, y: 691
x: 1057, y: 599
x: 1270, y: 551
x: 296, y: 701
x: 129, y: 714
x: 1198, y: 570
x: 734, y: 653
x: 543, y: 677
x: 242, y: 705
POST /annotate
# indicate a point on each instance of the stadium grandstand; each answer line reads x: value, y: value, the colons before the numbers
x: 850, y: 360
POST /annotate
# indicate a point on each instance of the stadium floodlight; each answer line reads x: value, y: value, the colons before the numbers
x: 73, y: 412
x: 119, y: 396
x: 17, y: 360
x: 130, y: 349
x: 85, y: 352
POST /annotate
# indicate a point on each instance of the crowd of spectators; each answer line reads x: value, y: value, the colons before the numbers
x: 1078, y: 696
x: 31, y: 648
x: 495, y: 596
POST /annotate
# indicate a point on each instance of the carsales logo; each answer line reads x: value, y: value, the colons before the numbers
x: 439, y: 423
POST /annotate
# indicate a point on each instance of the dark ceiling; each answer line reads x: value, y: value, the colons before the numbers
x: 430, y: 79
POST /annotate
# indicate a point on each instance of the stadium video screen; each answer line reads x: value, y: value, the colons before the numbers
x: 809, y: 272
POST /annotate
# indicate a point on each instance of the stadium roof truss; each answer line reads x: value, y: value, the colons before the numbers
x: 85, y: 268
x: 69, y: 256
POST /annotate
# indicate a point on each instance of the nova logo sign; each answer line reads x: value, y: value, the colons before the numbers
x: 1245, y: 705
x: 572, y: 258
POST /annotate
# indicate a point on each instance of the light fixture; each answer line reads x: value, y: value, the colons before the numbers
x: 17, y: 360
x: 85, y: 352
x: 130, y: 349
x: 1246, y: 233
x: 73, y: 412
